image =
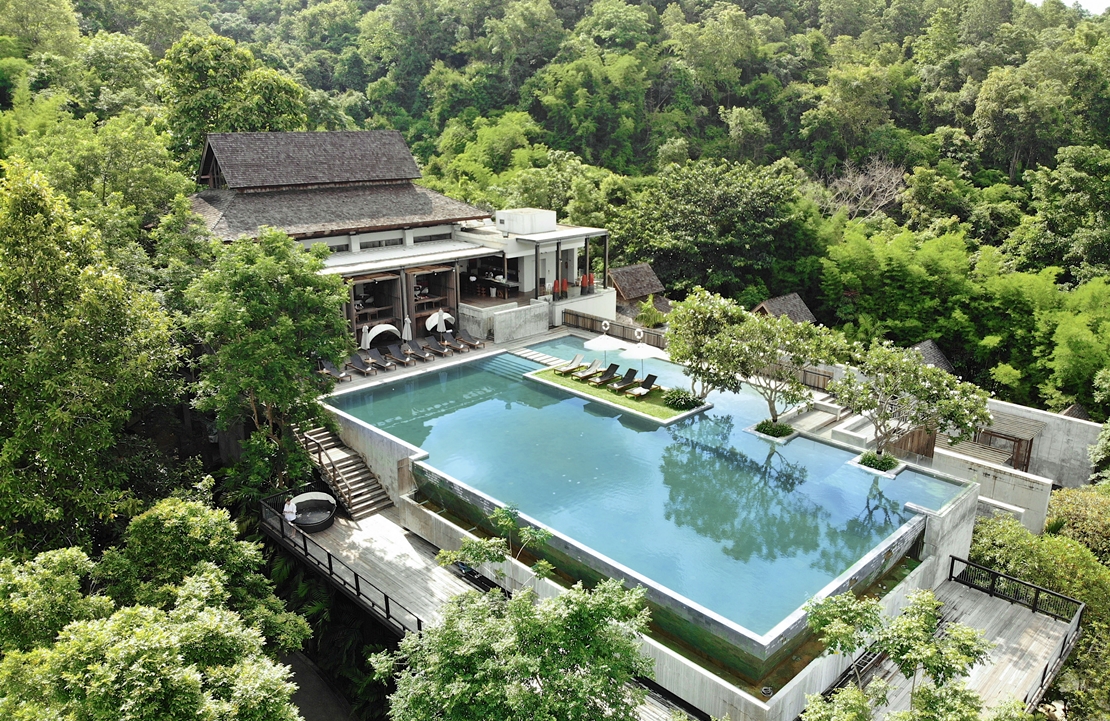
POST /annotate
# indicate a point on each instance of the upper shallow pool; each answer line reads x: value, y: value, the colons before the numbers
x: 744, y: 527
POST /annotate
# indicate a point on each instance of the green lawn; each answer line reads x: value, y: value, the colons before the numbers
x: 651, y: 405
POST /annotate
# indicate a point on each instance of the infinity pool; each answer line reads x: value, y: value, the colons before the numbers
x: 742, y: 526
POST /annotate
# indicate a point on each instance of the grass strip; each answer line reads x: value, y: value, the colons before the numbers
x: 651, y: 405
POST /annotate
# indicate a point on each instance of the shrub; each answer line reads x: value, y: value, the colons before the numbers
x: 681, y: 400
x: 1083, y: 514
x: 650, y: 316
x: 775, y: 430
x: 885, y: 462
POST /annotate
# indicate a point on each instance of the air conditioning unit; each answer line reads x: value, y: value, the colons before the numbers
x: 525, y: 221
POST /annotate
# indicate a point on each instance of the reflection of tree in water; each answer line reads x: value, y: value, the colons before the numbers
x: 879, y: 517
x: 747, y: 505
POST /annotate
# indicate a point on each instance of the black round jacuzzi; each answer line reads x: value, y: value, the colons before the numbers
x: 315, y: 511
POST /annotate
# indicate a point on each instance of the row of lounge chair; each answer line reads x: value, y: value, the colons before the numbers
x: 403, y: 354
x: 592, y: 373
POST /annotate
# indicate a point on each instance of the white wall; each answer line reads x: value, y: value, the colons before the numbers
x: 603, y: 304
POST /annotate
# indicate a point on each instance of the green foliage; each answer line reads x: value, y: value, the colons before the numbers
x: 40, y: 597
x: 897, y: 392
x: 681, y: 400
x: 650, y: 316
x: 213, y: 85
x: 267, y: 315
x: 475, y: 552
x: 776, y: 430
x: 178, y: 633
x: 846, y: 704
x: 83, y: 350
x: 1083, y: 514
x: 1066, y: 566
x: 845, y: 624
x: 720, y: 225
x: 40, y: 25
x: 694, y: 323
x: 871, y: 459
x: 568, y: 657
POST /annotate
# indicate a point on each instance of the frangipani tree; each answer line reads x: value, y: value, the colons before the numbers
x: 896, y: 391
x: 770, y: 353
x: 693, y: 326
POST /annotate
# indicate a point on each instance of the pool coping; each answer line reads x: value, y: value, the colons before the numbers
x: 532, y: 375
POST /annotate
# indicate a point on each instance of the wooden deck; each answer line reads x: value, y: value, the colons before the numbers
x: 403, y: 566
x: 398, y: 562
x: 1024, y: 642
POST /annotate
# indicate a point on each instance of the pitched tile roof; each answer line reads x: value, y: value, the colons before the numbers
x: 328, y: 211
x: 933, y: 355
x: 274, y: 160
x: 635, y: 281
x: 1076, y: 410
x: 791, y: 305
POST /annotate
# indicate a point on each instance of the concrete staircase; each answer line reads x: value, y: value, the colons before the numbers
x: 354, y: 484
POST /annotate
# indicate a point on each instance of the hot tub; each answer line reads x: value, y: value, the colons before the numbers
x: 315, y: 511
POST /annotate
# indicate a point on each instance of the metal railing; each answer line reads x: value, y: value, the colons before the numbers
x: 331, y: 472
x: 355, y: 586
x: 592, y: 323
x: 1023, y: 593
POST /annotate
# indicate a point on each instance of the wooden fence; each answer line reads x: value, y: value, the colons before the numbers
x: 585, y: 321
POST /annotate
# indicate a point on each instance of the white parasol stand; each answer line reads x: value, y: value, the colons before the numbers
x: 604, y: 342
x: 365, y: 342
x: 441, y: 323
x: 406, y: 332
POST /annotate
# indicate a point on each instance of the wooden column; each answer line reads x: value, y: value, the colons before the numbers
x: 505, y: 268
x: 587, y: 270
x: 558, y: 265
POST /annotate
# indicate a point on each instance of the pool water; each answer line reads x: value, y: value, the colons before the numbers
x: 742, y: 526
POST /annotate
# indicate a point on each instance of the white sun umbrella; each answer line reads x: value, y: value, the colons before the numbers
x: 433, y: 320
x: 365, y: 343
x: 406, y: 332
x: 604, y: 343
x: 640, y: 351
x: 441, y: 324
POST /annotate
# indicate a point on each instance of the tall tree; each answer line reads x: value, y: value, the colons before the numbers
x: 266, y: 317
x: 568, y: 658
x: 82, y: 349
x: 213, y: 85
x: 897, y: 392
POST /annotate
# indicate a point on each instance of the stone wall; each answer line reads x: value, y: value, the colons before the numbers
x: 1006, y: 485
x: 1060, y: 450
x: 522, y: 322
x: 381, y: 451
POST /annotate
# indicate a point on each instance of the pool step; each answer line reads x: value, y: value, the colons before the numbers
x: 353, y: 482
x: 509, y: 365
x: 537, y: 357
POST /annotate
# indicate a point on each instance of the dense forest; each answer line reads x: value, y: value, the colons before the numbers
x: 918, y: 169
x: 923, y: 169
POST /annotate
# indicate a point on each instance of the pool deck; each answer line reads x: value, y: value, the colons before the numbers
x: 1024, y: 644
x: 403, y: 565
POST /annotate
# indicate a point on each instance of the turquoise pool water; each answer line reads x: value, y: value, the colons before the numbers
x: 746, y: 528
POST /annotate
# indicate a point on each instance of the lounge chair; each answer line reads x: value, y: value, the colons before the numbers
x: 457, y: 339
x: 647, y: 386
x: 624, y: 383
x: 590, y: 370
x: 417, y: 352
x: 574, y: 365
x: 610, y: 373
x: 376, y: 359
x: 394, y: 353
x: 449, y: 340
x: 469, y: 339
x: 357, y: 363
x: 434, y: 346
x: 328, y: 368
